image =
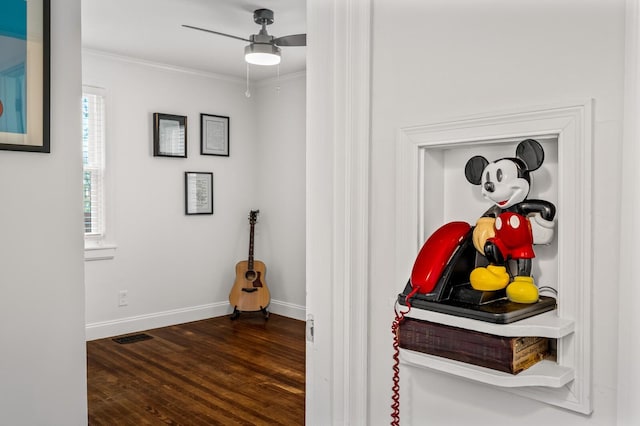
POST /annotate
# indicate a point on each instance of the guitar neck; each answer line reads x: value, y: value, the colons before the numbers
x: 250, y: 260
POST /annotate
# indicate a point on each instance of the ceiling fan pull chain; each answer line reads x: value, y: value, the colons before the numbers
x: 278, y: 80
x: 247, y: 93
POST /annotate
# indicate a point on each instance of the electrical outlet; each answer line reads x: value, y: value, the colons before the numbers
x: 122, y: 298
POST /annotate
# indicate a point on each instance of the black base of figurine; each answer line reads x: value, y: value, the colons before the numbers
x: 491, y: 307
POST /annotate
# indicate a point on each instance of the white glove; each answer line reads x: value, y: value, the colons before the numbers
x: 541, y: 229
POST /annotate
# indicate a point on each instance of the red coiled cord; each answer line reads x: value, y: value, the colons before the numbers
x: 395, y: 406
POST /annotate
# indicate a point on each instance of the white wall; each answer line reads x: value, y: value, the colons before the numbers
x: 280, y: 180
x: 42, y: 360
x: 179, y: 268
x: 448, y: 59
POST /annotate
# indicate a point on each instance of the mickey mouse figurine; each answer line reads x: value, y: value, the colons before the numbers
x: 510, y: 228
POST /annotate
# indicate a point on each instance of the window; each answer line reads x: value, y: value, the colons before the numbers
x: 93, y: 160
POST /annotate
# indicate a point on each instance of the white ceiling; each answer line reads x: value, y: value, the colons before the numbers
x: 152, y: 30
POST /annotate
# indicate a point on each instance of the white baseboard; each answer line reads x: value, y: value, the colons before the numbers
x: 100, y: 330
x: 288, y: 310
x: 103, y: 329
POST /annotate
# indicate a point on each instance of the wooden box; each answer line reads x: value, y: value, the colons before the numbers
x: 508, y: 354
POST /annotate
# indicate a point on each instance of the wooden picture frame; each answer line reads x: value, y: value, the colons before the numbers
x: 214, y: 135
x: 25, y: 76
x: 198, y: 193
x: 169, y: 135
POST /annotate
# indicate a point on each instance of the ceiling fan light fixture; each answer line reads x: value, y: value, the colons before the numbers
x: 262, y: 54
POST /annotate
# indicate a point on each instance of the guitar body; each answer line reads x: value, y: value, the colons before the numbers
x: 249, y: 292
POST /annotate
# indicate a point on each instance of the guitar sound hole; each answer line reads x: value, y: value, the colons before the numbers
x: 250, y: 275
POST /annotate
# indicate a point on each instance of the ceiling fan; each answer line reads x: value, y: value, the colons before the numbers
x: 263, y: 49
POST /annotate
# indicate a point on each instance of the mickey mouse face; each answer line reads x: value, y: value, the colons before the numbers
x: 502, y: 185
x: 505, y: 182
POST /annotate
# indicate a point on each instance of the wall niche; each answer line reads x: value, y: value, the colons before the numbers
x: 432, y: 191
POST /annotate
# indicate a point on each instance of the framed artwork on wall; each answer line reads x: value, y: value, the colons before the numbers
x: 214, y: 135
x: 198, y: 190
x: 25, y: 75
x: 169, y: 135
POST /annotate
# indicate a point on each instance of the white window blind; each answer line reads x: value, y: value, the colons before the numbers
x: 93, y: 160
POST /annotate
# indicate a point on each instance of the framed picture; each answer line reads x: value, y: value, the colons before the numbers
x: 198, y: 190
x: 24, y: 75
x: 169, y: 135
x: 214, y: 135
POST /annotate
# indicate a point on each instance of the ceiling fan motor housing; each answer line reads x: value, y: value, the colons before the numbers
x: 262, y: 38
x: 263, y: 16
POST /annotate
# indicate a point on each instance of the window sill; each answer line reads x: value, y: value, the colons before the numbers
x: 99, y: 252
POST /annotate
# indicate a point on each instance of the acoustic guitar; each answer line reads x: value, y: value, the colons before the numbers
x: 249, y: 292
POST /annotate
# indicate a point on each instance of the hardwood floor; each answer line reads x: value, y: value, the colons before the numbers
x: 211, y: 372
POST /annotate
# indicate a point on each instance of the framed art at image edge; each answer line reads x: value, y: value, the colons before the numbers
x: 25, y: 76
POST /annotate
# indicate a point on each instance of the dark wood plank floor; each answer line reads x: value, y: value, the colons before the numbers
x: 212, y: 372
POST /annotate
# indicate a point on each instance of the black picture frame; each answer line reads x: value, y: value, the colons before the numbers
x: 169, y: 135
x: 214, y: 135
x: 25, y: 121
x: 198, y: 193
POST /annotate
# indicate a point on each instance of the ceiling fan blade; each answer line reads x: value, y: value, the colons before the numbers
x: 216, y: 32
x: 291, y: 40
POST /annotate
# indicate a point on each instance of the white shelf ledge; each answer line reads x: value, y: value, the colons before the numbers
x: 102, y: 252
x: 544, y: 373
x: 547, y: 324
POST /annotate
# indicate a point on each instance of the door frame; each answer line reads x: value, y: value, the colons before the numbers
x: 337, y: 187
x: 628, y: 316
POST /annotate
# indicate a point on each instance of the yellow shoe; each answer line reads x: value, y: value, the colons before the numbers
x: 491, y: 278
x: 522, y: 290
